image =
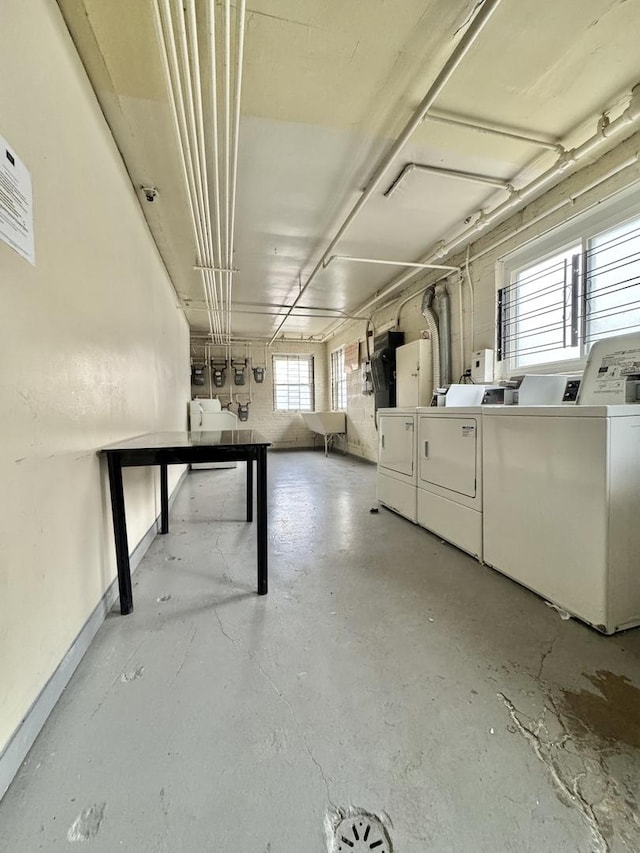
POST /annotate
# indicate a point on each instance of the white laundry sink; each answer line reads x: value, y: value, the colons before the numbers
x: 326, y: 424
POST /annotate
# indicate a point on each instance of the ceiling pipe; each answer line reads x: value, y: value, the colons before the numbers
x: 180, y: 53
x: 325, y: 316
x: 227, y: 155
x: 211, y: 22
x: 202, y: 151
x: 459, y: 52
x: 570, y: 199
x: 170, y: 68
x: 604, y: 132
x: 449, y: 173
x: 185, y: 306
x: 216, y: 269
x: 482, y: 126
x: 389, y: 263
x: 190, y: 84
x: 568, y: 160
x: 241, y: 12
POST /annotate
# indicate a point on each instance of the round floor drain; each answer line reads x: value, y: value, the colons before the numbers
x: 358, y: 833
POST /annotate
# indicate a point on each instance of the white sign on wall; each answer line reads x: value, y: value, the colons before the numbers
x: 16, y: 203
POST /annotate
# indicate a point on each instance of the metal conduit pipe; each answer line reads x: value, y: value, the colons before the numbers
x: 211, y: 21
x: 570, y: 199
x: 432, y: 327
x: 457, y: 55
x: 461, y: 323
x: 443, y: 307
x: 227, y: 158
x: 202, y: 150
x: 404, y: 302
x: 170, y: 68
x: 472, y: 296
x: 630, y: 115
x: 240, y: 13
x: 189, y: 93
x: 279, y: 313
x: 199, y: 184
x: 487, y: 127
x: 570, y: 158
x: 456, y: 174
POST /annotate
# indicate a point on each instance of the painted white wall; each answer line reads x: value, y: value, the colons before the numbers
x: 576, y: 194
x: 92, y: 349
x: 283, y: 429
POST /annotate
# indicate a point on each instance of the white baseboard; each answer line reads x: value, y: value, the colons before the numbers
x: 24, y: 737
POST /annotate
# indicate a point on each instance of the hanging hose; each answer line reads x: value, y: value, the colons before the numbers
x: 432, y: 326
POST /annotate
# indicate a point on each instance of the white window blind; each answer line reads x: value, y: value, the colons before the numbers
x: 338, y: 380
x: 293, y: 383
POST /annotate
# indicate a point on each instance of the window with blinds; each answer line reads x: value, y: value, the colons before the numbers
x: 338, y: 380
x: 293, y: 383
x: 557, y: 305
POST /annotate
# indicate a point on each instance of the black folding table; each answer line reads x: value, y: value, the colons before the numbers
x: 175, y: 448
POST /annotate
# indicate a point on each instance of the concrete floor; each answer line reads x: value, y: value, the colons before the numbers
x: 384, y: 670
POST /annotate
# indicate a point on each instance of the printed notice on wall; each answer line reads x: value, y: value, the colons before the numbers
x: 16, y: 203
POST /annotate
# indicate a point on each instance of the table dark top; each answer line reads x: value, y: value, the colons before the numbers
x: 176, y: 440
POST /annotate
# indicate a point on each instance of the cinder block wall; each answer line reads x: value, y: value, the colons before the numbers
x: 284, y: 429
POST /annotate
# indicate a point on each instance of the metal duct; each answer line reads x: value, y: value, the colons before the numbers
x: 443, y: 305
x: 432, y: 326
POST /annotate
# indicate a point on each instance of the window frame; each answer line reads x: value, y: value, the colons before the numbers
x: 298, y: 357
x: 338, y: 383
x: 623, y: 207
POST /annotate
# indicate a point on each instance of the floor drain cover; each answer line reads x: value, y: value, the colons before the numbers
x: 361, y: 832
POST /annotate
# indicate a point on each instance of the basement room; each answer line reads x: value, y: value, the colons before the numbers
x: 320, y: 382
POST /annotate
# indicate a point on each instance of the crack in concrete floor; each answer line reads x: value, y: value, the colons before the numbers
x: 569, y: 789
x: 286, y: 703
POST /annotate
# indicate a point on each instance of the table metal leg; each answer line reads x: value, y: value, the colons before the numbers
x: 249, y: 489
x: 120, y: 533
x: 263, y: 539
x: 164, y: 499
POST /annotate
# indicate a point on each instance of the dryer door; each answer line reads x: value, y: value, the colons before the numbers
x: 396, y: 443
x: 448, y: 453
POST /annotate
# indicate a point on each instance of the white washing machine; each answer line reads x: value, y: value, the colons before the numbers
x: 397, y: 468
x: 207, y: 415
x: 562, y: 506
x: 449, y: 457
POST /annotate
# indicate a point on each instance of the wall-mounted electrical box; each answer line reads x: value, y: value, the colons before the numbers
x: 383, y: 368
x: 482, y: 366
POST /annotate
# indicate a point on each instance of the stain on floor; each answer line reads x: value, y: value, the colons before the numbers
x: 611, y: 715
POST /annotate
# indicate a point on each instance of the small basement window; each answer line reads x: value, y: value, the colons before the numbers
x: 568, y: 289
x: 293, y: 383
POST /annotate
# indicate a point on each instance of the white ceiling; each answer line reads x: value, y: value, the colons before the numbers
x: 327, y: 87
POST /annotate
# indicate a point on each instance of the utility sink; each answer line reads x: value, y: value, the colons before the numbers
x: 326, y: 424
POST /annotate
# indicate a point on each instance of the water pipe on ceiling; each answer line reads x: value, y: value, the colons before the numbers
x: 421, y: 266
x: 472, y: 32
x: 483, y: 126
x: 457, y: 174
x: 180, y: 55
x: 170, y: 64
x: 517, y: 199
